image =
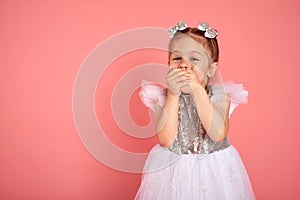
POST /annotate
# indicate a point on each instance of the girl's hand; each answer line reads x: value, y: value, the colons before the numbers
x: 176, y: 79
x: 195, y: 81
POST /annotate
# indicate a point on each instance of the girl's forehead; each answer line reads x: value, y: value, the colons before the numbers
x: 186, y: 45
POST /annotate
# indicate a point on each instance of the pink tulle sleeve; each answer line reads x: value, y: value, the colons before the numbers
x: 238, y: 94
x: 152, y: 94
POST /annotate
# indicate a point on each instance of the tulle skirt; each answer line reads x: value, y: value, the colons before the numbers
x: 215, y: 176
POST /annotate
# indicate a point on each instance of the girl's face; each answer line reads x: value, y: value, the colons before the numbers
x: 187, y: 53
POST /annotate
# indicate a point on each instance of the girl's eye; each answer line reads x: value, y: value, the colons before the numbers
x: 194, y: 59
x: 177, y: 58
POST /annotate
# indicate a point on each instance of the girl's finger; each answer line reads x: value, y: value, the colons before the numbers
x: 172, y: 72
x: 178, y: 78
x: 182, y: 84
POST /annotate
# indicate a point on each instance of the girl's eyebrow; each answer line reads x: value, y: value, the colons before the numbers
x: 194, y: 51
x: 198, y: 52
x: 175, y: 52
x: 204, y: 53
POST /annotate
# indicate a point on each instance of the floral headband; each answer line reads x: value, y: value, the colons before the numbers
x: 203, y: 26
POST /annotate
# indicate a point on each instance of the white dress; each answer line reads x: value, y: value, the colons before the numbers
x: 194, y: 166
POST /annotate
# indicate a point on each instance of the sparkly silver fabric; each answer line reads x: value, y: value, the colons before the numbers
x: 191, y: 136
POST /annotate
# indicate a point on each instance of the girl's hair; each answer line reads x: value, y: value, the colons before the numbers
x: 210, y: 44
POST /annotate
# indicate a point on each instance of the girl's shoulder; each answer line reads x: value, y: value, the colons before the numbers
x: 238, y: 94
x: 151, y: 94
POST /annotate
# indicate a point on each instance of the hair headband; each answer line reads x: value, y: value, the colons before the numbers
x: 203, y: 26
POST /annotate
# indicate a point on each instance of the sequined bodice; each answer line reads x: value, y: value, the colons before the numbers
x: 191, y: 136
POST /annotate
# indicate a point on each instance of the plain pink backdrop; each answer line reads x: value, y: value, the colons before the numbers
x: 43, y: 44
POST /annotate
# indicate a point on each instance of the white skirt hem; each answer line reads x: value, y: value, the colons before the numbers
x: 215, y: 176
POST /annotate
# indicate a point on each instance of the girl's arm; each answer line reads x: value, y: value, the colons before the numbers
x: 214, y: 117
x: 167, y: 124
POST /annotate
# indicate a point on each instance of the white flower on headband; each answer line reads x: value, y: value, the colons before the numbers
x: 178, y: 27
x: 209, y: 32
x: 203, y: 26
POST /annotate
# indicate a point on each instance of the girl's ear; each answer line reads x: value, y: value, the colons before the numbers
x: 212, y: 69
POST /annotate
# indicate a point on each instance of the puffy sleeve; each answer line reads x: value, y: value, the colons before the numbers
x: 238, y: 94
x: 152, y: 94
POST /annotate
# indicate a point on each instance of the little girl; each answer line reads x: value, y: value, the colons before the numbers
x: 194, y: 158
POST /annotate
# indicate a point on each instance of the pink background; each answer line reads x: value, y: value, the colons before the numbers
x: 43, y: 44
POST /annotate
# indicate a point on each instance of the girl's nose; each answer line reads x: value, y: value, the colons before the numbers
x: 184, y: 65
